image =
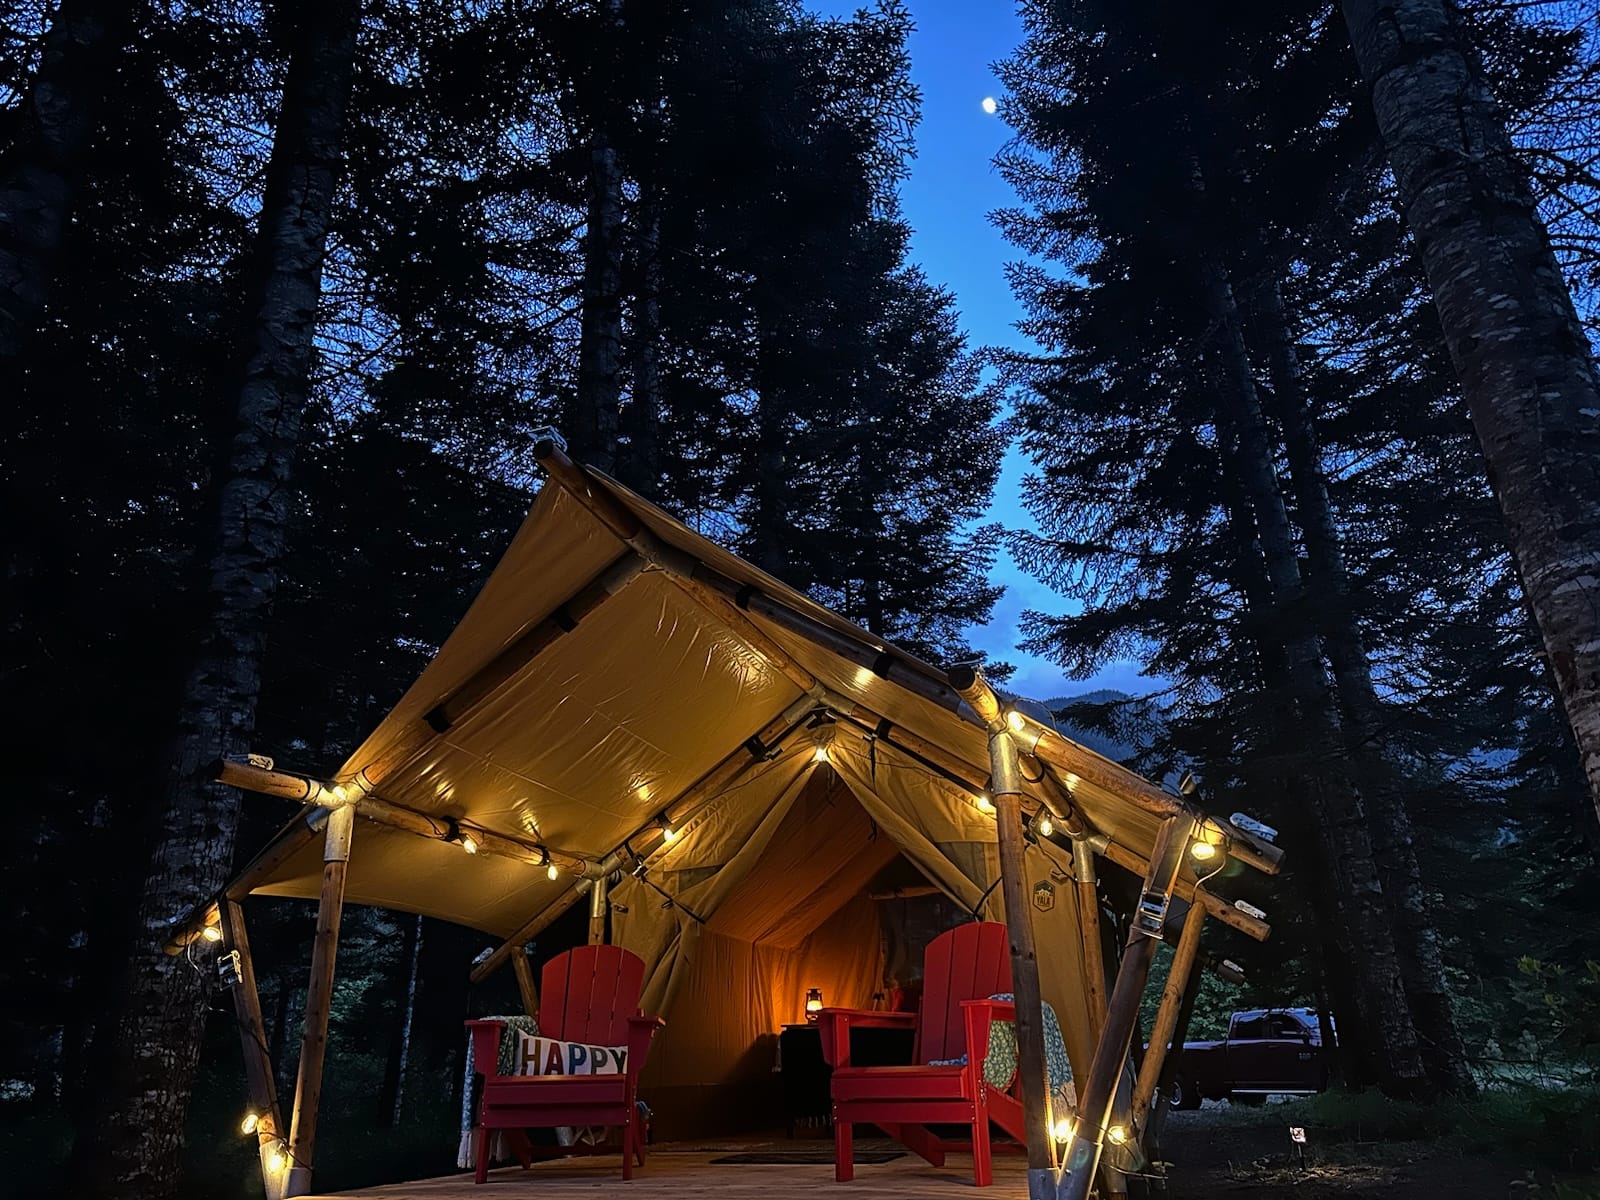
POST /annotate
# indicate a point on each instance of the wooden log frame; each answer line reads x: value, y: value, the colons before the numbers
x: 1087, y: 883
x: 727, y: 599
x: 698, y: 582
x: 261, y: 1087
x: 961, y: 774
x: 1074, y: 760
x: 526, y: 987
x: 1157, y: 1119
x: 398, y: 816
x: 1096, y: 1096
x: 1167, y: 1014
x: 319, y: 1002
x: 1031, y: 1063
x: 599, y: 904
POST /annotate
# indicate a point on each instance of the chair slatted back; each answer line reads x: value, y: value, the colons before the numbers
x: 970, y: 962
x: 588, y: 994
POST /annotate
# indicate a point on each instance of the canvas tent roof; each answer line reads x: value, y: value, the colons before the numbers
x: 641, y: 689
x: 641, y: 698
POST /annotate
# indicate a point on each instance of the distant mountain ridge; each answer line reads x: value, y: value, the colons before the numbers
x: 1100, y: 743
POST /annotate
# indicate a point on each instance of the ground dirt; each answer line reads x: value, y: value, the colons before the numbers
x: 1217, y: 1153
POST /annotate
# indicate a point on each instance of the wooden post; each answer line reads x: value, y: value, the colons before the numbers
x: 1169, y: 1070
x: 260, y: 1086
x: 1094, y: 957
x: 319, y: 1001
x: 1006, y: 784
x: 526, y: 987
x: 599, y: 904
x: 1096, y: 1097
x: 1183, y: 966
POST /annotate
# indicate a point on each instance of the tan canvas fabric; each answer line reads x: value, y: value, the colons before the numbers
x: 617, y: 718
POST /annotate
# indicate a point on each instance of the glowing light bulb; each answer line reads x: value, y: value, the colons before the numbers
x: 277, y: 1160
x: 820, y: 754
x: 1117, y: 1134
x: 1016, y: 721
x: 211, y: 933
x: 669, y: 834
x: 251, y: 1122
x: 552, y: 872
x: 1203, y: 851
x: 985, y: 805
x: 1046, y: 825
x: 468, y: 844
x: 1062, y: 1130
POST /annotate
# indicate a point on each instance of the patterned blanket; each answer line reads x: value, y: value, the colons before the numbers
x: 1000, y: 1065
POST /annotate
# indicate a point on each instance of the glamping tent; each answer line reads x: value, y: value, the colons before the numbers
x: 632, y: 716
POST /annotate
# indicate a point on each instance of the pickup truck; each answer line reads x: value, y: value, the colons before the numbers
x: 1268, y: 1051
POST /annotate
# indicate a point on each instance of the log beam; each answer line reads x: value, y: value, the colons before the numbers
x: 1036, y: 1116
x: 1167, y: 1014
x: 261, y: 1087
x: 1087, y: 883
x: 319, y: 1002
x: 526, y: 988
x: 1096, y: 1097
x: 395, y: 816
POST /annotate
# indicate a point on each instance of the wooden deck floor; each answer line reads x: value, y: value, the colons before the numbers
x: 674, y: 1171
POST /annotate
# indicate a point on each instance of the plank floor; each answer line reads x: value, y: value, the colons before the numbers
x: 674, y: 1171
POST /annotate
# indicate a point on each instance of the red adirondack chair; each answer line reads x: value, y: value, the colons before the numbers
x: 589, y: 995
x: 961, y: 970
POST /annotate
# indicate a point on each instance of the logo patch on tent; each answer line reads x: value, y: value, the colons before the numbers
x: 1044, y: 895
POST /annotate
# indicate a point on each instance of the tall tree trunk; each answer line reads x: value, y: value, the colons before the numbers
x: 594, y: 428
x: 134, y: 1149
x: 1526, y: 368
x: 1340, y: 817
x: 39, y: 171
x: 643, y: 415
x: 393, y: 1094
x: 1393, y: 842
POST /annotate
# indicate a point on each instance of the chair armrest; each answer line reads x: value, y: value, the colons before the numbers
x: 641, y: 1029
x: 835, y: 1024
x: 977, y: 1014
x: 486, y: 1037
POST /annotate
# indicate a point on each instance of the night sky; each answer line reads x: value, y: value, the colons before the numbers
x: 953, y: 188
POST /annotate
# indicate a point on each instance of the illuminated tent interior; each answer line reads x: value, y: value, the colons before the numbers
x: 630, y: 714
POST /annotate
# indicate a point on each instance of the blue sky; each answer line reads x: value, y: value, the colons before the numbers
x: 953, y: 188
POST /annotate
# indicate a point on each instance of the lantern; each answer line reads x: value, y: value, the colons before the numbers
x: 813, y: 1003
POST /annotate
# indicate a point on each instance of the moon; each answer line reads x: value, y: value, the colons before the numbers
x: 989, y: 105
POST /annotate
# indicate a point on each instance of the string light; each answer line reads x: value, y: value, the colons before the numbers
x: 822, y: 736
x: 984, y: 803
x: 277, y: 1159
x: 468, y: 843
x: 669, y: 831
x: 251, y: 1122
x: 1063, y: 1130
x: 1045, y: 825
x: 1203, y: 851
x: 551, y: 871
x: 211, y: 933
x: 1117, y: 1135
x: 1016, y: 721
